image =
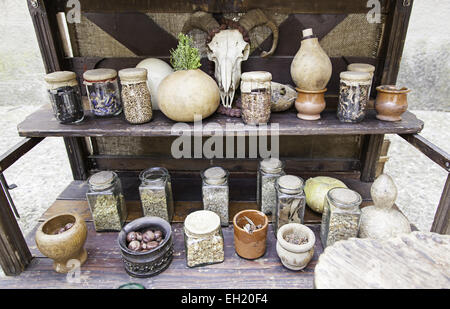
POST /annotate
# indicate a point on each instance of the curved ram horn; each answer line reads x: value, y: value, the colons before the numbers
x: 255, y: 18
x: 200, y: 20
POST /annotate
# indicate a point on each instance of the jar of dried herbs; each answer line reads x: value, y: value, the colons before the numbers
x: 341, y: 215
x: 103, y: 92
x: 203, y: 239
x: 156, y: 193
x: 137, y: 105
x: 65, y: 96
x: 215, y: 192
x: 106, y: 201
x: 256, y: 97
x: 353, y: 96
x: 291, y: 201
x: 268, y: 172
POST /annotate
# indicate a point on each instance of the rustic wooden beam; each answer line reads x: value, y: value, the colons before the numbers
x: 17, y: 151
x: 78, y: 157
x: 442, y: 216
x: 370, y: 154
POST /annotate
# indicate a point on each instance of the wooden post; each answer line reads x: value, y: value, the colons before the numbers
x: 370, y: 155
x: 442, y: 217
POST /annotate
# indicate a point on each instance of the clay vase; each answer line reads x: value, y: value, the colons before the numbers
x: 310, y: 103
x: 311, y: 67
x: 64, y: 247
x: 250, y: 246
x: 391, y: 102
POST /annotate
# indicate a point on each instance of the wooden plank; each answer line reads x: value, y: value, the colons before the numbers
x: 42, y: 123
x: 17, y: 151
x: 436, y: 154
x: 78, y: 157
x: 441, y: 222
x: 370, y: 156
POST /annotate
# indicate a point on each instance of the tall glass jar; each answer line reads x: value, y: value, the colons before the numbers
x: 106, y: 201
x: 353, y: 96
x: 341, y: 215
x: 363, y: 67
x: 291, y: 201
x: 65, y: 96
x: 103, y: 92
x: 137, y: 105
x: 156, y: 193
x: 256, y: 97
x: 268, y: 172
x: 215, y: 192
x: 203, y: 239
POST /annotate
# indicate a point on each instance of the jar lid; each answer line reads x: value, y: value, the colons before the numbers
x: 154, y: 174
x: 290, y: 182
x: 256, y: 76
x: 344, y: 197
x: 133, y: 75
x: 202, y: 222
x: 99, y: 75
x: 60, y: 79
x: 271, y: 164
x: 355, y: 76
x: 102, y: 179
x: 215, y: 175
x: 361, y: 67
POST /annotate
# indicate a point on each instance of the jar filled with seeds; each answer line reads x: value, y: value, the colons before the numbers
x: 341, y: 215
x: 256, y: 97
x: 106, y: 201
x: 65, y: 95
x: 203, y: 239
x: 291, y: 201
x: 156, y: 193
x: 103, y: 92
x: 268, y: 172
x: 215, y: 192
x: 353, y: 96
x: 137, y: 105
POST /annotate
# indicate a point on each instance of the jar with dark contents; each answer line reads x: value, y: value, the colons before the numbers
x: 103, y: 92
x: 106, y: 201
x: 256, y: 97
x: 65, y: 96
x: 137, y: 105
x: 353, y: 96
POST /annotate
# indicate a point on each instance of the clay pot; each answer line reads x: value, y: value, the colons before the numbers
x: 391, y: 102
x: 250, y: 246
x: 310, y: 103
x: 311, y: 67
x: 292, y: 256
x: 62, y: 248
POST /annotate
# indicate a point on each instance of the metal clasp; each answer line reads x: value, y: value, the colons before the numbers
x: 6, y: 188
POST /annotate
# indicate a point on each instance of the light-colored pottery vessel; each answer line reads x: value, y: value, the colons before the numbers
x: 250, y: 246
x: 186, y: 93
x: 311, y: 67
x: 283, y: 97
x: 382, y: 221
x: 391, y: 102
x: 310, y: 103
x: 62, y: 248
x: 363, y: 67
x: 295, y: 257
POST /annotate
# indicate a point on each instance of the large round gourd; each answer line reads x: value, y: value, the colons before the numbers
x: 185, y: 93
x: 317, y: 188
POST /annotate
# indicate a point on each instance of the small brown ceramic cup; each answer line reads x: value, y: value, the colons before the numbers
x: 310, y: 104
x: 391, y: 102
x: 250, y: 246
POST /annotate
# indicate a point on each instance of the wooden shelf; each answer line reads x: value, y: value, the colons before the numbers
x: 42, y: 123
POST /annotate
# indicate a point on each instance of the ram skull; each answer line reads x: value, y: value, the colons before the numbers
x: 228, y: 48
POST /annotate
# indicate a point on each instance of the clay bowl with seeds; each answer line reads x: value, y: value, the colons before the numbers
x: 150, y: 261
x: 250, y: 233
x: 295, y: 245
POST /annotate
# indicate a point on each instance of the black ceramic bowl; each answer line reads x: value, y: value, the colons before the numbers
x: 147, y: 263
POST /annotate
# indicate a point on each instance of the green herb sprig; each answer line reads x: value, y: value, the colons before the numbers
x: 185, y: 56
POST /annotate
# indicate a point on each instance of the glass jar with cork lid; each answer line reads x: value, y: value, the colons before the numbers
x: 203, y: 239
x: 291, y: 201
x: 341, y: 215
x: 106, y: 201
x: 363, y: 67
x: 268, y: 172
x: 353, y: 96
x: 215, y: 192
x: 137, y: 105
x: 256, y: 97
x: 65, y: 96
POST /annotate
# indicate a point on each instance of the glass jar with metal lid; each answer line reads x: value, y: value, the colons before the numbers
x: 106, y: 201
x: 353, y: 96
x: 156, y: 193
x: 103, y: 92
x: 268, y: 172
x: 256, y: 97
x: 215, y: 192
x: 203, y: 239
x: 341, y: 215
x: 65, y: 96
x: 137, y: 105
x: 291, y: 201
x: 363, y: 67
